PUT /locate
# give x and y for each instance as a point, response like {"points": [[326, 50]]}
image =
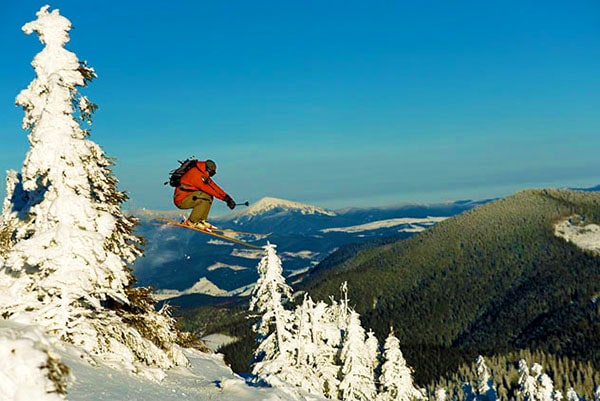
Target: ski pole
{"points": [[243, 204]]}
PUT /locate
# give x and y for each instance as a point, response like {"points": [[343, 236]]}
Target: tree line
{"points": [[321, 348]]}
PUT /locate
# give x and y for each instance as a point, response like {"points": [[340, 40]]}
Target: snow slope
{"points": [[585, 236], [208, 378], [24, 350], [414, 225]]}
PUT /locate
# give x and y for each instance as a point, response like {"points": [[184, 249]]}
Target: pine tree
{"points": [[534, 385], [358, 381], [395, 381], [327, 337], [441, 394], [526, 382], [67, 246], [318, 346], [305, 351], [274, 357], [485, 385], [545, 387], [572, 395], [372, 344]]}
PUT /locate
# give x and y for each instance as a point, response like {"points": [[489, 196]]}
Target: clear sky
{"points": [[332, 103]]}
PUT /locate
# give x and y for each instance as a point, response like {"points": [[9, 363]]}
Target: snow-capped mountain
{"points": [[279, 215], [272, 206], [197, 268]]}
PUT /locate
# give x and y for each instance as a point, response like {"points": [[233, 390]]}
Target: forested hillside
{"points": [[489, 281]]}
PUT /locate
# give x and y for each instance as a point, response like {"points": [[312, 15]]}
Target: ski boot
{"points": [[201, 225]]}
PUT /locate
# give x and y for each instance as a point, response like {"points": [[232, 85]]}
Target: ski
{"points": [[213, 233], [227, 230], [222, 230]]}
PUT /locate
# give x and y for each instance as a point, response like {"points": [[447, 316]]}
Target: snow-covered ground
{"points": [[24, 355], [217, 340], [23, 376], [414, 225], [585, 236], [202, 286], [219, 265]]}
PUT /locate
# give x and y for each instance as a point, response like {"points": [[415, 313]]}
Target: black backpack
{"points": [[175, 175]]}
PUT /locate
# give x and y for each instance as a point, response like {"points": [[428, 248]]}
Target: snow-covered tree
{"points": [[395, 381], [534, 385], [277, 346], [66, 245], [483, 376], [485, 385], [327, 338], [441, 394], [545, 387], [572, 395], [343, 308], [527, 388], [358, 381], [372, 344], [308, 321]]}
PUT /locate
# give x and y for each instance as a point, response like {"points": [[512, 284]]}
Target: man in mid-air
{"points": [[197, 190]]}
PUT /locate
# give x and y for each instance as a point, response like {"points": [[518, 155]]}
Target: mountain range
{"points": [[508, 275], [501, 278], [191, 268]]}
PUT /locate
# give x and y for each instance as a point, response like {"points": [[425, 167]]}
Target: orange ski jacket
{"points": [[197, 179]]}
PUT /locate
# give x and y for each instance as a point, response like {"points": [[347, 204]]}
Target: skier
{"points": [[197, 190]]}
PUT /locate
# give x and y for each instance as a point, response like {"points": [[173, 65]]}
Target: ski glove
{"points": [[230, 202]]}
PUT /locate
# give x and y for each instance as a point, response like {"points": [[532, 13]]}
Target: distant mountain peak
{"points": [[270, 204]]}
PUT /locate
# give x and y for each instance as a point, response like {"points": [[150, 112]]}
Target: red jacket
{"points": [[197, 179]]}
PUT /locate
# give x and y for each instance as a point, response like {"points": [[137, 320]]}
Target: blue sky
{"points": [[333, 103]]}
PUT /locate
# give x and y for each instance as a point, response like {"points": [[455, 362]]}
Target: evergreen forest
{"points": [[494, 281]]}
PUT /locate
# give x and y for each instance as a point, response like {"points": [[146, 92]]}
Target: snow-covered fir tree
{"points": [[327, 338], [483, 376], [527, 387], [307, 323], [484, 387], [358, 379], [483, 390], [535, 385], [275, 356], [66, 245], [572, 395], [544, 385], [321, 348], [395, 381], [441, 394], [372, 344]]}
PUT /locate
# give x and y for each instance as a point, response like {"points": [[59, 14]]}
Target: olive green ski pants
{"points": [[200, 203]]}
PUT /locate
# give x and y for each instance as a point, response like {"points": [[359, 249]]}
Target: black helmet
{"points": [[211, 167]]}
